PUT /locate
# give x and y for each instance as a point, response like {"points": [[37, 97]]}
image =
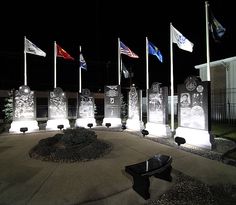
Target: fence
{"points": [[223, 106]]}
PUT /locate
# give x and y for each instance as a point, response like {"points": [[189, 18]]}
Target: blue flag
{"points": [[83, 64], [216, 28], [153, 50]]}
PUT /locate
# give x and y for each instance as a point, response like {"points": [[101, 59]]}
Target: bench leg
{"points": [[165, 174], [141, 186]]}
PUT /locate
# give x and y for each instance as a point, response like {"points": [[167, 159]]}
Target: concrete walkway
{"points": [[103, 181]]}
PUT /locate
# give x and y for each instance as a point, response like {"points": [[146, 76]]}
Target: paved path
{"points": [[103, 181]]}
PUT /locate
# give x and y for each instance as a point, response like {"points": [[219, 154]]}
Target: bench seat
{"points": [[158, 166]]}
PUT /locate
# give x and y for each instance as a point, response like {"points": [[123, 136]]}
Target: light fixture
{"points": [[108, 124], [60, 126], [24, 129], [123, 127], [180, 140], [144, 132], [90, 125]]}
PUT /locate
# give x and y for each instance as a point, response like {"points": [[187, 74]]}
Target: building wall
{"points": [[223, 88]]}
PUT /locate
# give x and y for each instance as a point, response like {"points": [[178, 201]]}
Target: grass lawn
{"points": [[227, 131]]}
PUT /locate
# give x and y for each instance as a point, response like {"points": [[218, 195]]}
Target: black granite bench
{"points": [[158, 166]]}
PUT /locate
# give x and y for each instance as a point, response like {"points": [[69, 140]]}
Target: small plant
{"points": [[8, 108]]}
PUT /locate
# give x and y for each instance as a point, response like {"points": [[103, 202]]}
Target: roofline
{"points": [[215, 63]]}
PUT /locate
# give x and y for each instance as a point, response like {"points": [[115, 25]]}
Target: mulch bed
{"points": [[187, 190], [52, 149]]}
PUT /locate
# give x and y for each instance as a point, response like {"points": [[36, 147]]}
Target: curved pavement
{"points": [[103, 181]]}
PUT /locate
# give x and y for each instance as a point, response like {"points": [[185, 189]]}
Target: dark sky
{"points": [[96, 25]]}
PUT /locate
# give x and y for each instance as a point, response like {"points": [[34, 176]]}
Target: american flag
{"points": [[125, 50]]}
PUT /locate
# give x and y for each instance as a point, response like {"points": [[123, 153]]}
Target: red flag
{"points": [[62, 53]]}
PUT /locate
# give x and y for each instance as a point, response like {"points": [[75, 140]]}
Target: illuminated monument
{"points": [[157, 113], [24, 114], [57, 110], [134, 120], [194, 112], [85, 111], [112, 104]]}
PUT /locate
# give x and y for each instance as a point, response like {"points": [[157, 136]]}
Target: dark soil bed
{"points": [[74, 145], [189, 191]]}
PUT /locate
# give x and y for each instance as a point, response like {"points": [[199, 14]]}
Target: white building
{"points": [[223, 87]]}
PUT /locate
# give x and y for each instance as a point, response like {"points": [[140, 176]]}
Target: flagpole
{"points": [[118, 61], [25, 70], [207, 43], [80, 78], [55, 64], [171, 79], [147, 79]]}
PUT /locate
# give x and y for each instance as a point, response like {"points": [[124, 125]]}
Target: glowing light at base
{"points": [[134, 124], [32, 126], [52, 124], [160, 130], [196, 137], [115, 122], [83, 122]]}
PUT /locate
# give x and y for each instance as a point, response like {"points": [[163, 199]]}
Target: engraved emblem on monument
{"points": [[86, 92], [191, 83], [112, 101], [200, 88]]}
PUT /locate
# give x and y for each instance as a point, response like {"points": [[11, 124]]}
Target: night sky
{"points": [[96, 25]]}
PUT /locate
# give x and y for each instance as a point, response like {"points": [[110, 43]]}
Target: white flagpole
{"points": [[80, 77], [207, 43], [171, 80], [147, 79], [119, 61], [55, 64], [25, 68]]}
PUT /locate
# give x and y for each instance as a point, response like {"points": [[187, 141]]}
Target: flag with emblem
{"points": [[62, 53], [182, 42], [33, 49]]}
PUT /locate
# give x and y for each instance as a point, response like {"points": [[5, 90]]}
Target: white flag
{"points": [[180, 40], [33, 49]]}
